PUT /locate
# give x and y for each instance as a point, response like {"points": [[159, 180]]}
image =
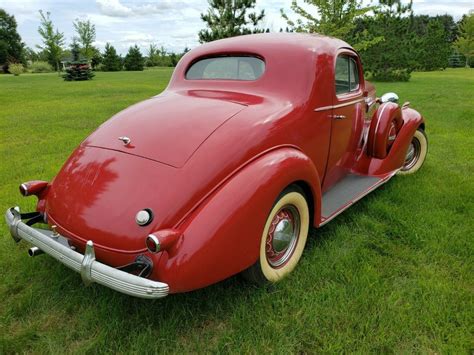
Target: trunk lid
{"points": [[167, 128]]}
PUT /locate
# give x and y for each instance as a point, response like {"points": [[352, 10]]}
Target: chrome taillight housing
{"points": [[34, 187], [161, 240]]}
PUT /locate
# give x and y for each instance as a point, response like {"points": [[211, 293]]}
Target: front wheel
{"points": [[416, 153], [283, 238]]}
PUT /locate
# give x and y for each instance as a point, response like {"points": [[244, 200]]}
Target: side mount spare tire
{"points": [[385, 125]]}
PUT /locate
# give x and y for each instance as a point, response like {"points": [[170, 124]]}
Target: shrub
{"points": [[41, 67], [390, 75], [78, 71], [15, 68]]}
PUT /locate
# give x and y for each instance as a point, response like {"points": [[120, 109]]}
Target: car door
{"points": [[347, 118]]}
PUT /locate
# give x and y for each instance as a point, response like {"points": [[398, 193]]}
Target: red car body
{"points": [[209, 157]]}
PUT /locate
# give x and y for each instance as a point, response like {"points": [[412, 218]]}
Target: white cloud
{"points": [[114, 8]]}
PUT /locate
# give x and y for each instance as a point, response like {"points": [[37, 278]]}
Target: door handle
{"points": [[339, 117]]}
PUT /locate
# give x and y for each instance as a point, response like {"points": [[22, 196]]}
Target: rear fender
{"points": [[222, 236]]}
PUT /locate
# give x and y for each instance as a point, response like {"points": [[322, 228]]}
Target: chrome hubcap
{"points": [[413, 154], [282, 236]]}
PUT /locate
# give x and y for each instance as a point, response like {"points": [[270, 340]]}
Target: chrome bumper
{"points": [[90, 269]]}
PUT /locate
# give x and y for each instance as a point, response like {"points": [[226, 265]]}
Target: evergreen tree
{"points": [[134, 59], [333, 18], [393, 58], [456, 60], [465, 42], [431, 47], [110, 60], [96, 58], [11, 47], [78, 69], [52, 40], [229, 18]]}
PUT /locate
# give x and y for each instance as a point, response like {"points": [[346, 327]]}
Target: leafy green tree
{"points": [[334, 18], [153, 56], [31, 55], [465, 42], [111, 61], [53, 40], [85, 36], [134, 59], [229, 18], [11, 46]]}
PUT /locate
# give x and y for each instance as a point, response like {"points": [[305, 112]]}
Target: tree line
{"points": [[390, 38], [54, 55]]}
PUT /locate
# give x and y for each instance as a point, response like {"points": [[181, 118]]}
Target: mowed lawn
{"points": [[395, 273]]}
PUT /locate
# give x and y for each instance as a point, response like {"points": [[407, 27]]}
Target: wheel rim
{"points": [[413, 154], [282, 236]]}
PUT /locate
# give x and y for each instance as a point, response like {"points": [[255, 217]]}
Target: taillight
{"points": [[34, 187], [161, 240], [153, 244]]}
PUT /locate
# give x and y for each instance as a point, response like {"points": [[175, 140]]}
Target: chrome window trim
{"points": [[344, 104]]}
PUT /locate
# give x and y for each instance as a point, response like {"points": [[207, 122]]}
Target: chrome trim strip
{"points": [[324, 108], [86, 265], [354, 200]]}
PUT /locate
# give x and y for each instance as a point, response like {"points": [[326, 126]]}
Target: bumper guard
{"points": [[90, 269]]}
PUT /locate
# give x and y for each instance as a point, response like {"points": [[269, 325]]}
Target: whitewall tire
{"points": [[416, 153], [283, 238]]}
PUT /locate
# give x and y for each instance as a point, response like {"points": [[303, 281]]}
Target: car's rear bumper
{"points": [[90, 269]]}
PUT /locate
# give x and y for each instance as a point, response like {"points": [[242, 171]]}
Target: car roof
{"points": [[282, 42], [294, 61]]}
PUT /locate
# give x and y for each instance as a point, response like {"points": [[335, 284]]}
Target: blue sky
{"points": [[168, 23]]}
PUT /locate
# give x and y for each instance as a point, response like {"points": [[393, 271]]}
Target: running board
{"points": [[347, 192]]}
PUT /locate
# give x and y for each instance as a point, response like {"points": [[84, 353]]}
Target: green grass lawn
{"points": [[394, 273]]}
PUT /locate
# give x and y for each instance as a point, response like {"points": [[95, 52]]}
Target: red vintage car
{"points": [[256, 139]]}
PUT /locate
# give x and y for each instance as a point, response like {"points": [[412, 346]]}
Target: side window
{"points": [[342, 74], [353, 75], [347, 75]]}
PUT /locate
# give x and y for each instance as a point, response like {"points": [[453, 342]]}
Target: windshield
{"points": [[227, 68]]}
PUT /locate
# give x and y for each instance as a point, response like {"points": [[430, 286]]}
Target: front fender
{"points": [[222, 236], [396, 156]]}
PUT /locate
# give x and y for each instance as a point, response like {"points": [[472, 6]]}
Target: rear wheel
{"points": [[416, 153], [283, 239]]}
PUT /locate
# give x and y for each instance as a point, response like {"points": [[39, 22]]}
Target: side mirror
{"points": [[389, 97]]}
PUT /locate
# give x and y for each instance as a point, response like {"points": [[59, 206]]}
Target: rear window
{"points": [[227, 68]]}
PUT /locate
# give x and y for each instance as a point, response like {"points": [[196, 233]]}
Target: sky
{"points": [[171, 24]]}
